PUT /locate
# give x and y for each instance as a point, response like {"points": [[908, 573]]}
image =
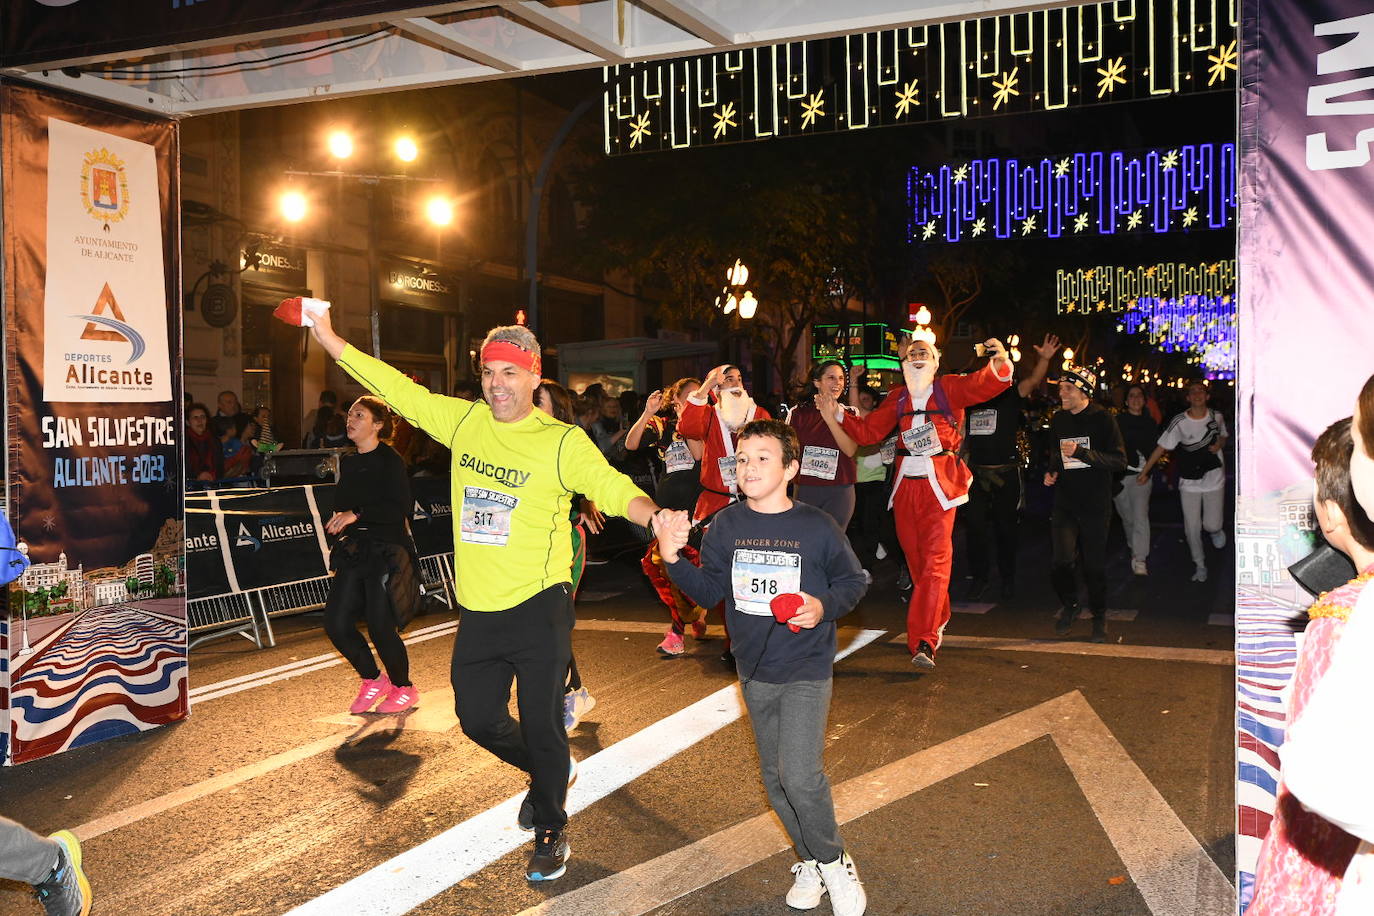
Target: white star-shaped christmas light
{"points": [[1170, 160], [1006, 88], [1061, 168], [813, 108], [1133, 221], [928, 230], [1028, 226], [725, 118], [1189, 216], [639, 129], [960, 174], [1113, 75], [1080, 222], [980, 226], [906, 98]]}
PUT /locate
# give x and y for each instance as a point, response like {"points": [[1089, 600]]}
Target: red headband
{"points": [[509, 352]]}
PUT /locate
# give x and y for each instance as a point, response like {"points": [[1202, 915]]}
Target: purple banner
{"points": [[1306, 281]]}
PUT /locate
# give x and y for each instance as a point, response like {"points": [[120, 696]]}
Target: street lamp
{"points": [[734, 297], [293, 206], [439, 211], [405, 148], [340, 143]]}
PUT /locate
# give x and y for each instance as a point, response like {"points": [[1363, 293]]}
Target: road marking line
{"points": [[1172, 872], [295, 669], [406, 881], [1071, 647]]}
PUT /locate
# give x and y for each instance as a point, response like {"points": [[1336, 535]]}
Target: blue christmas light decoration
{"points": [[1187, 188], [1204, 327]]}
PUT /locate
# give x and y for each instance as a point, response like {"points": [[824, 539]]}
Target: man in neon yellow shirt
{"points": [[515, 470]]}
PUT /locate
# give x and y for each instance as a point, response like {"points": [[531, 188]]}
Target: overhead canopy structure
{"points": [[194, 57]]}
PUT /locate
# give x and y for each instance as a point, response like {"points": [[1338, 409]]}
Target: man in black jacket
{"points": [[1082, 471]]}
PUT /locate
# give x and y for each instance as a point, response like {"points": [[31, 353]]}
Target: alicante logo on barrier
{"points": [[104, 186], [271, 532]]}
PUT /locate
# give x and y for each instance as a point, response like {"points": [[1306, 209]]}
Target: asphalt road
{"points": [[1025, 775]]}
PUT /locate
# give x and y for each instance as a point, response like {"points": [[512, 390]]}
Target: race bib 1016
{"points": [[678, 457], [759, 576]]}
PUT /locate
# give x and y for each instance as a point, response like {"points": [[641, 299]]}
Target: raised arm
{"points": [[1043, 354], [636, 433]]}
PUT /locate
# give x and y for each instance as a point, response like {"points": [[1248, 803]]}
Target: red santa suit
{"points": [[931, 480], [701, 420]]}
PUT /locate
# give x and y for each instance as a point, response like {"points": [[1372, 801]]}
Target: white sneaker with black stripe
{"points": [[847, 897], [807, 888]]}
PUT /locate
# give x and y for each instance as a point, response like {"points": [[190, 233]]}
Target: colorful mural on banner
{"points": [[97, 623], [1306, 277], [1040, 60]]}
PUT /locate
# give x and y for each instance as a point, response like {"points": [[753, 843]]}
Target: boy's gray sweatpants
{"points": [[789, 729], [24, 855]]}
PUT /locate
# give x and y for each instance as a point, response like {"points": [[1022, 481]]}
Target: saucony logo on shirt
{"points": [[511, 477]]}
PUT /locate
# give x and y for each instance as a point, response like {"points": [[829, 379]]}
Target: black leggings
{"points": [[991, 519], [1074, 529], [530, 644], [353, 594]]}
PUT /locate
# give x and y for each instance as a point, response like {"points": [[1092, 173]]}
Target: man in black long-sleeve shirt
{"points": [[754, 552], [1088, 454]]}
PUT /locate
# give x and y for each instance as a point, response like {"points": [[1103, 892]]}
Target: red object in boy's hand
{"points": [[785, 607], [298, 310]]}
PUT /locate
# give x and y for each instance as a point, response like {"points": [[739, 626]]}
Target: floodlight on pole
{"points": [[405, 148], [439, 211], [293, 206], [340, 143]]}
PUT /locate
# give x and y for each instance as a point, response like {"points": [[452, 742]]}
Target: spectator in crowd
{"points": [[228, 406], [204, 454], [315, 420], [608, 431], [262, 416], [238, 455]]}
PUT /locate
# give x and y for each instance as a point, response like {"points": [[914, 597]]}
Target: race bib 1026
{"points": [[819, 461]]}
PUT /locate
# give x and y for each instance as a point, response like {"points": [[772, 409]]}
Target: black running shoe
{"points": [[65, 892], [1063, 622], [1099, 628], [975, 589], [728, 659], [550, 857], [925, 655]]}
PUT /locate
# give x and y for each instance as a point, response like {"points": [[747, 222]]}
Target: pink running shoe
{"points": [[672, 646], [399, 699], [370, 692], [699, 628]]}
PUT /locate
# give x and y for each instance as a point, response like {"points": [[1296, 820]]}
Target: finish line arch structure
{"points": [[1304, 157]]}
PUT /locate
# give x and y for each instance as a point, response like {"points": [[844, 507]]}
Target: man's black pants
{"points": [[1080, 524]]}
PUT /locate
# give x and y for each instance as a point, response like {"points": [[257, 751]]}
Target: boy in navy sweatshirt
{"points": [[754, 551]]}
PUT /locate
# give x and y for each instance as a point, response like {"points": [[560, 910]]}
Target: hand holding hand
{"points": [[1047, 349], [672, 528]]}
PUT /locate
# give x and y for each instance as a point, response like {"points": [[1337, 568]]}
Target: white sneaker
{"points": [[868, 577], [881, 552], [1138, 567], [1218, 539], [847, 897], [576, 704], [808, 888], [1200, 574]]}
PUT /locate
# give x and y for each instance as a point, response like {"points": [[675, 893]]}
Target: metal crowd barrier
{"points": [[249, 613]]}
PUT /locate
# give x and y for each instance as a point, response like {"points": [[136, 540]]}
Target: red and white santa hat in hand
{"points": [[300, 311]]}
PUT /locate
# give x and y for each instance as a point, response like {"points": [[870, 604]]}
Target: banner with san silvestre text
{"points": [[96, 627]]}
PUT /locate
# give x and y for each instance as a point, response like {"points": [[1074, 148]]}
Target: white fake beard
{"points": [[735, 407], [919, 380]]}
